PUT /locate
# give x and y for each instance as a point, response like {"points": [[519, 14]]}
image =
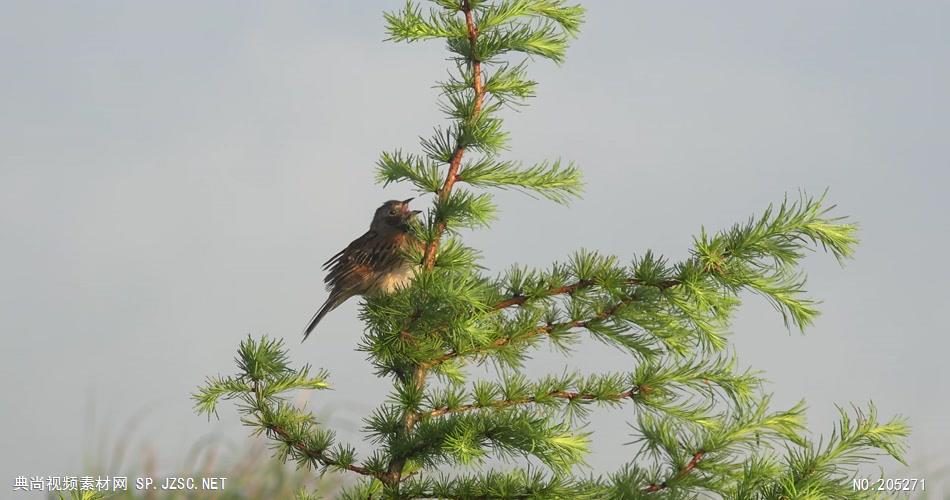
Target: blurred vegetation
{"points": [[252, 473], [251, 470]]}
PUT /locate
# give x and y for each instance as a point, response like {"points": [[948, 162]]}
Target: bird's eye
{"points": [[393, 212]]}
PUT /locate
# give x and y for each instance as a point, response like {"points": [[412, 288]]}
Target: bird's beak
{"points": [[416, 212], [407, 200]]}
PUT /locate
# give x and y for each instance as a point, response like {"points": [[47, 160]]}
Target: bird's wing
{"points": [[354, 267]]}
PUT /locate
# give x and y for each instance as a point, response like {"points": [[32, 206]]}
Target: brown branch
{"points": [[405, 334], [456, 162], [541, 330], [515, 300], [654, 487], [504, 403], [518, 299], [393, 473], [317, 455], [396, 465]]}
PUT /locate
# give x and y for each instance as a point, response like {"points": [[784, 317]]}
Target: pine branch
{"points": [[499, 343], [397, 464], [819, 470], [505, 403], [654, 487], [762, 254], [464, 438], [541, 330], [518, 299], [456, 162], [265, 376], [549, 180], [518, 484], [318, 455]]}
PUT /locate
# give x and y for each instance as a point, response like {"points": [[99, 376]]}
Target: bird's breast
{"points": [[397, 278]]}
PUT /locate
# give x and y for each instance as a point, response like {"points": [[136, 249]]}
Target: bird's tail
{"points": [[331, 304]]}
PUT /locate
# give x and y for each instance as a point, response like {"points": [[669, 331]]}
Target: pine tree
{"points": [[705, 426]]}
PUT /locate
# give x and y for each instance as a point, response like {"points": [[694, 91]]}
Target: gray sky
{"points": [[172, 174]]}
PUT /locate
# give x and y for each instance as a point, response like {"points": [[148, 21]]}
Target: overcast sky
{"points": [[172, 175]]}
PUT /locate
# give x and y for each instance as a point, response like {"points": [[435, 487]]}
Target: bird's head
{"points": [[393, 214]]}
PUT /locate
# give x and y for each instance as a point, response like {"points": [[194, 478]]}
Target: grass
{"points": [[251, 470]]}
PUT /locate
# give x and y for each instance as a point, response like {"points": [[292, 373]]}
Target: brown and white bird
{"points": [[373, 263]]}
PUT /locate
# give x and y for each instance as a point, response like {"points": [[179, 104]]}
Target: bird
{"points": [[372, 264]]}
